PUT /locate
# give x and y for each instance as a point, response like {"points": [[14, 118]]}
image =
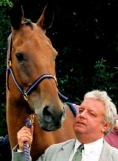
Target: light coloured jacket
{"points": [[62, 151]]}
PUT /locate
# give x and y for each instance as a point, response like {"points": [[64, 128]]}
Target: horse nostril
{"points": [[50, 115], [46, 111]]}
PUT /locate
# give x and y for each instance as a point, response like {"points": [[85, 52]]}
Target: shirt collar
{"points": [[95, 146]]}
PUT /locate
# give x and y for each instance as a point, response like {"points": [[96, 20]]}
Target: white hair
{"points": [[110, 108]]}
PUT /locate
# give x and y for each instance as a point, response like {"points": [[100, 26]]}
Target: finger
{"points": [[24, 135], [31, 130], [24, 130]]}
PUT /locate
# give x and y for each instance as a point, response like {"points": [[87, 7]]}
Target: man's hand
{"points": [[25, 134]]}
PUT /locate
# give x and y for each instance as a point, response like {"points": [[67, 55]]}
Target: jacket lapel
{"points": [[105, 154], [65, 151]]}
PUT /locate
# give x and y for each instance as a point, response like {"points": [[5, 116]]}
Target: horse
{"points": [[31, 83]]}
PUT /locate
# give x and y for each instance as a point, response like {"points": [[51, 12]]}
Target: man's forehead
{"points": [[91, 103], [92, 100]]}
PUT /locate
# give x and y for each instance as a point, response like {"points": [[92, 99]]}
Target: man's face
{"points": [[90, 119]]}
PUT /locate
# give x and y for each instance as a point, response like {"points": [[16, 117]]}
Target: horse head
{"points": [[31, 68]]}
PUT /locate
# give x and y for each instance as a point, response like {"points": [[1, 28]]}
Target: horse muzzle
{"points": [[49, 120]]}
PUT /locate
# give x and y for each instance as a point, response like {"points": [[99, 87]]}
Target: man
{"points": [[95, 118], [112, 137]]}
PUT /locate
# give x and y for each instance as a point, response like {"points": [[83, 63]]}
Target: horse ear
{"points": [[16, 15], [46, 19]]}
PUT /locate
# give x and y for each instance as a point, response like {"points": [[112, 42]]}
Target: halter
{"points": [[29, 90]]}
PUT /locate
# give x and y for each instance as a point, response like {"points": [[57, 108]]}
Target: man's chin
{"points": [[79, 129]]}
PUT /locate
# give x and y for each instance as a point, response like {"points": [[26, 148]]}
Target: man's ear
{"points": [[106, 127]]}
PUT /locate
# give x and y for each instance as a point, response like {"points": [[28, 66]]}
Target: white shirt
{"points": [[90, 152]]}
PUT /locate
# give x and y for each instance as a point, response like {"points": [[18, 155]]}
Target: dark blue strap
{"points": [[73, 109]]}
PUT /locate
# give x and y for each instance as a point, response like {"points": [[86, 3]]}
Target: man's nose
{"points": [[83, 113]]}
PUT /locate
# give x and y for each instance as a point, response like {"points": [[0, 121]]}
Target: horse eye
{"points": [[19, 57]]}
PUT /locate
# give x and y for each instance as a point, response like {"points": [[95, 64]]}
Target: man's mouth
{"points": [[81, 123]]}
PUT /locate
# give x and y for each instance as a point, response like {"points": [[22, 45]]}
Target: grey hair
{"points": [[110, 108]]}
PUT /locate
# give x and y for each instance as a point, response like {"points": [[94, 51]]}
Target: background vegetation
{"points": [[85, 34]]}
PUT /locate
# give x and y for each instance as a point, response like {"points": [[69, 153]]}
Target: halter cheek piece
{"points": [[29, 90]]}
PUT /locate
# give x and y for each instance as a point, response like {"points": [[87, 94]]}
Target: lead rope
{"points": [[29, 123]]}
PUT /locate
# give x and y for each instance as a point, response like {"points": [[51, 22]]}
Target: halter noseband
{"points": [[29, 90]]}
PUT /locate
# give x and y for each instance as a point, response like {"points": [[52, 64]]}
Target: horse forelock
{"points": [[27, 22]]}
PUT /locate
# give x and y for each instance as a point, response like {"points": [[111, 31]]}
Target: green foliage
{"points": [[72, 81], [3, 125], [4, 32], [106, 78], [5, 3]]}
